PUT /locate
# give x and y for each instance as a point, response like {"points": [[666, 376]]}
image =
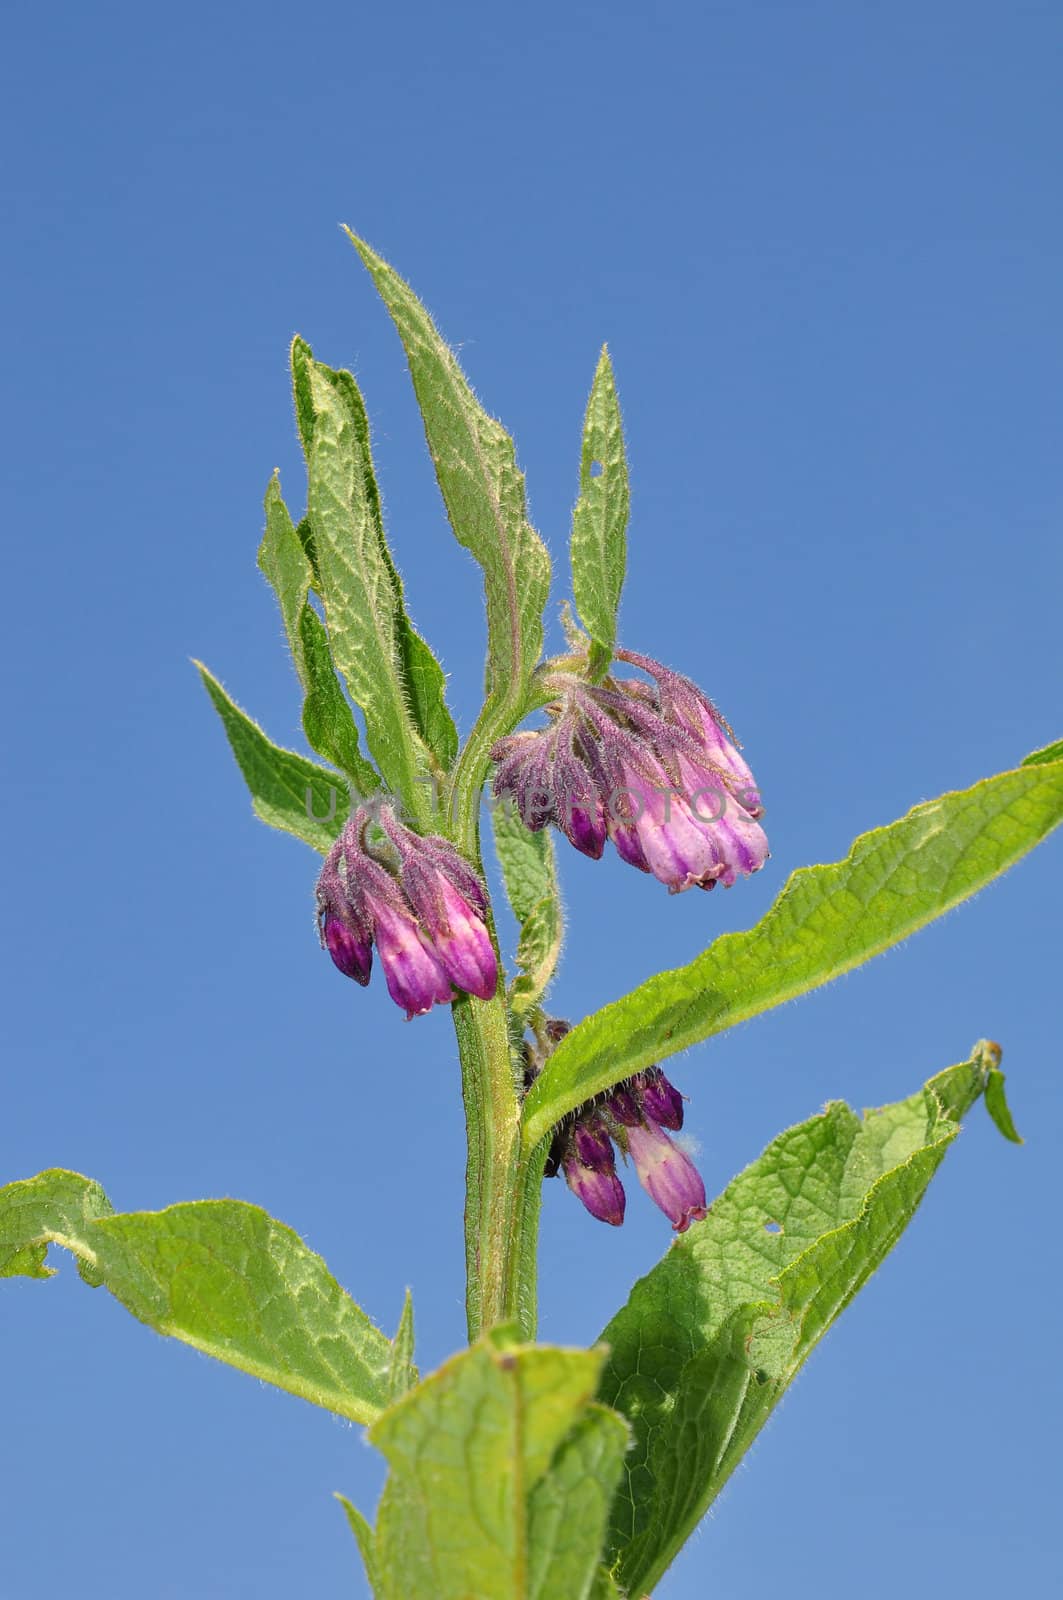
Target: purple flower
{"points": [[682, 702], [343, 922], [653, 766], [623, 1104], [415, 978], [352, 953], [449, 903], [661, 1101], [668, 1176], [586, 1157], [426, 914], [601, 1192], [633, 1114]]}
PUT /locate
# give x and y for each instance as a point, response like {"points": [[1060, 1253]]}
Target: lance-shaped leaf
{"points": [[826, 921], [355, 576], [467, 1511], [710, 1339], [220, 1275], [530, 876], [421, 675], [402, 1374], [599, 522], [328, 721], [366, 1540], [1049, 752], [484, 495], [287, 791]]}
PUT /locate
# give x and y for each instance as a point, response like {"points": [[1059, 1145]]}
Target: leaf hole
{"points": [[773, 1227], [596, 469]]}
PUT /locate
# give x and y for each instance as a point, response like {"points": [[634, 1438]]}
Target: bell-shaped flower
{"points": [[668, 1175]]}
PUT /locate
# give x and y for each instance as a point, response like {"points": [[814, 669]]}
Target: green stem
{"points": [[502, 1187], [494, 1258]]}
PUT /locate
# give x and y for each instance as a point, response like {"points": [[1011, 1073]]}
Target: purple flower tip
{"points": [[601, 1192], [416, 981], [661, 1100], [593, 1146], [623, 1105], [350, 951]]}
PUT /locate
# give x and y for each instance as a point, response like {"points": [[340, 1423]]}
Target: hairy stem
{"points": [[493, 1256], [502, 1187]]}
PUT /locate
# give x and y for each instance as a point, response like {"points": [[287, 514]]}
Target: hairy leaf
{"points": [[468, 1451], [357, 578], [826, 921], [484, 495], [287, 791], [710, 1339], [422, 676], [365, 1537], [402, 1374], [327, 717], [220, 1275], [529, 872], [569, 1507], [537, 954], [599, 522]]}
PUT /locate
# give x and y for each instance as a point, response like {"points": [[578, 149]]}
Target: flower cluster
{"points": [[634, 1116], [650, 765], [418, 901]]}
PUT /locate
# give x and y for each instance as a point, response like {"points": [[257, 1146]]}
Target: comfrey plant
{"points": [[523, 1470]]}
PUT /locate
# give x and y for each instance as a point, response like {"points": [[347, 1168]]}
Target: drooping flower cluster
{"points": [[418, 901], [634, 1116], [651, 766]]}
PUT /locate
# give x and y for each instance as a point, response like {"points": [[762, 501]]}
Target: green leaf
{"points": [[710, 1339], [366, 1538], [1050, 752], [287, 790], [484, 495], [327, 718], [603, 1587], [467, 1451], [527, 860], [529, 872], [219, 1275], [599, 522], [996, 1104], [826, 921], [357, 578], [569, 1507], [402, 1374], [423, 679], [537, 954]]}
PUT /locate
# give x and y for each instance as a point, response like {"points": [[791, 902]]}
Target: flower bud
{"points": [[577, 807], [351, 952], [592, 1145], [342, 921], [601, 1192], [668, 1176], [415, 978], [661, 1101], [683, 703], [448, 900], [623, 1106], [458, 934]]}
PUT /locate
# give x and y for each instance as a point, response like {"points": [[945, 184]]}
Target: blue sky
{"points": [[824, 244]]}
